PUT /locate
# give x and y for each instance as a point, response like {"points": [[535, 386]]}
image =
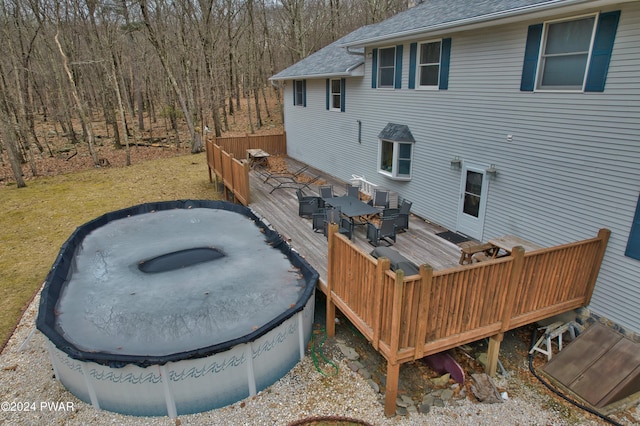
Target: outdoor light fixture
{"points": [[492, 171], [456, 162]]}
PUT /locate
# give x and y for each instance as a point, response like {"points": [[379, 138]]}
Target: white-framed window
{"points": [[429, 64], [335, 95], [395, 159], [565, 54], [386, 67]]}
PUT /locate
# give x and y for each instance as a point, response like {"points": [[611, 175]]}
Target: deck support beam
{"points": [[492, 354], [391, 388], [331, 307]]}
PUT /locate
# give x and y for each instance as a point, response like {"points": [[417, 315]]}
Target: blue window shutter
{"points": [[413, 50], [601, 54], [304, 93], [445, 60], [343, 93], [294, 92], [633, 244], [398, 82], [374, 68], [531, 53], [328, 94]]}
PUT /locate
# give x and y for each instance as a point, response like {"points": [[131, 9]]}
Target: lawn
{"points": [[36, 220]]}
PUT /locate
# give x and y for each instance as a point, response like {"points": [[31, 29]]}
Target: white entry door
{"points": [[473, 200]]}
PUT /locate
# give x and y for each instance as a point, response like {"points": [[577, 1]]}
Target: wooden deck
{"points": [[445, 304], [280, 208]]}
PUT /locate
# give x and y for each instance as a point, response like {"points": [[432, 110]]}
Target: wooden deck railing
{"points": [[233, 173], [407, 318], [238, 145]]}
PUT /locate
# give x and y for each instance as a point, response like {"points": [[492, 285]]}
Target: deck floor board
{"points": [[280, 209]]}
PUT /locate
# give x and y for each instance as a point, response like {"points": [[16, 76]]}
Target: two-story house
{"points": [[493, 117]]}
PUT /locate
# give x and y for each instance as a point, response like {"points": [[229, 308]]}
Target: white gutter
{"points": [[351, 52], [346, 73], [511, 15]]}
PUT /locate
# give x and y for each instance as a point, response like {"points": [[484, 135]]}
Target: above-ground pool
{"points": [[175, 307]]}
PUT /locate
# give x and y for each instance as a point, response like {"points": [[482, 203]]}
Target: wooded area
{"points": [[128, 64]]}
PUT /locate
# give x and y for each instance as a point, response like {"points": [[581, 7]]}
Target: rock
{"points": [[354, 365], [438, 402], [428, 400], [401, 403], [442, 380], [424, 408], [374, 385], [482, 359], [364, 373], [407, 399], [412, 409], [446, 394], [348, 352], [484, 389]]}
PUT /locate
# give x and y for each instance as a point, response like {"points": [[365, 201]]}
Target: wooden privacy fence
{"points": [[407, 318], [273, 144], [233, 173]]}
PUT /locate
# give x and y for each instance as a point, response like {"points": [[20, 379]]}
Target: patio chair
{"points": [[346, 227], [392, 201], [402, 220], [353, 191], [334, 215], [331, 215], [317, 220], [390, 212], [386, 231], [326, 191], [293, 175], [380, 199], [307, 205]]}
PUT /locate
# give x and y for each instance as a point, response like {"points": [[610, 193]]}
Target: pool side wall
{"points": [[193, 385]]}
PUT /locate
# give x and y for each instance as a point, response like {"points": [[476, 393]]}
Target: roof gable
{"points": [[330, 61], [396, 133]]}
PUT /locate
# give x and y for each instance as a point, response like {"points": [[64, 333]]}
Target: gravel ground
{"points": [[26, 376]]}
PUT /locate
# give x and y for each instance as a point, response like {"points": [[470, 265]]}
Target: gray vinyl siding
{"points": [[572, 167]]}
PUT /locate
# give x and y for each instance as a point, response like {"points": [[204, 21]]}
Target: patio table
{"points": [[257, 157], [508, 242], [351, 206]]}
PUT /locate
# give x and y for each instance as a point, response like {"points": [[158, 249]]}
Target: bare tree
{"points": [[9, 140], [86, 122], [196, 145]]}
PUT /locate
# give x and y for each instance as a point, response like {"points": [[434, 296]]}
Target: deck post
{"points": [[492, 353], [517, 258], [331, 307], [426, 281], [393, 366], [382, 266], [232, 185], [245, 191], [391, 389], [603, 236]]}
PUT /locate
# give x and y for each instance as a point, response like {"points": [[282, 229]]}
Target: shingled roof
{"points": [[433, 15], [341, 57], [330, 61]]}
